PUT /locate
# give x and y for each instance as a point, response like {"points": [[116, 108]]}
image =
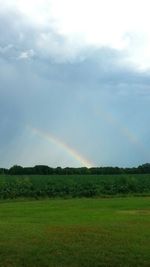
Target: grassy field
{"points": [[75, 232]]}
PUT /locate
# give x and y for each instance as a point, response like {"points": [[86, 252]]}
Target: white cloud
{"points": [[118, 24], [26, 54]]}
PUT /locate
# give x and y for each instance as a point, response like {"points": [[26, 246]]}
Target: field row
{"points": [[37, 186]]}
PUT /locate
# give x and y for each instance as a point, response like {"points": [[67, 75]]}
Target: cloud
{"points": [[5, 49], [75, 73], [92, 105], [26, 54], [63, 29]]}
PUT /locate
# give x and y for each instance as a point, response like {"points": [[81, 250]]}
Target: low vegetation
{"points": [[70, 186]]}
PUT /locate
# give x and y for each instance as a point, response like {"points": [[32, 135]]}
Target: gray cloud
{"points": [[88, 99]]}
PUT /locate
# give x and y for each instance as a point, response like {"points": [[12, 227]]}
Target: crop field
{"points": [[93, 232], [70, 186]]}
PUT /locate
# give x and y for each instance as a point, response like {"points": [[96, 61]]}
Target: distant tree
{"points": [[41, 169], [15, 170], [3, 171], [145, 168]]}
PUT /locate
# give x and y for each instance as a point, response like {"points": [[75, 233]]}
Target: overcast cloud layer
{"points": [[77, 70]]}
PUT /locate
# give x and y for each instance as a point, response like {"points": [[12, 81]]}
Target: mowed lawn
{"points": [[75, 232]]}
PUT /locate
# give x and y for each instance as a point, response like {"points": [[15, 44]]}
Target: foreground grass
{"points": [[75, 232]]}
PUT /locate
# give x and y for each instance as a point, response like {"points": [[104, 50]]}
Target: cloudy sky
{"points": [[74, 82]]}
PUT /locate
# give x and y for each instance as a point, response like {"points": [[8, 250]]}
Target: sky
{"points": [[74, 82]]}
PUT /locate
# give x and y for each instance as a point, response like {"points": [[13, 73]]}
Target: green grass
{"points": [[75, 233]]}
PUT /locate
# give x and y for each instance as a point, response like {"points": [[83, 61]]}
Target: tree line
{"points": [[46, 170]]}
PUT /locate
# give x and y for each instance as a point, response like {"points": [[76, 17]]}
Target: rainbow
{"points": [[72, 152], [124, 130]]}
